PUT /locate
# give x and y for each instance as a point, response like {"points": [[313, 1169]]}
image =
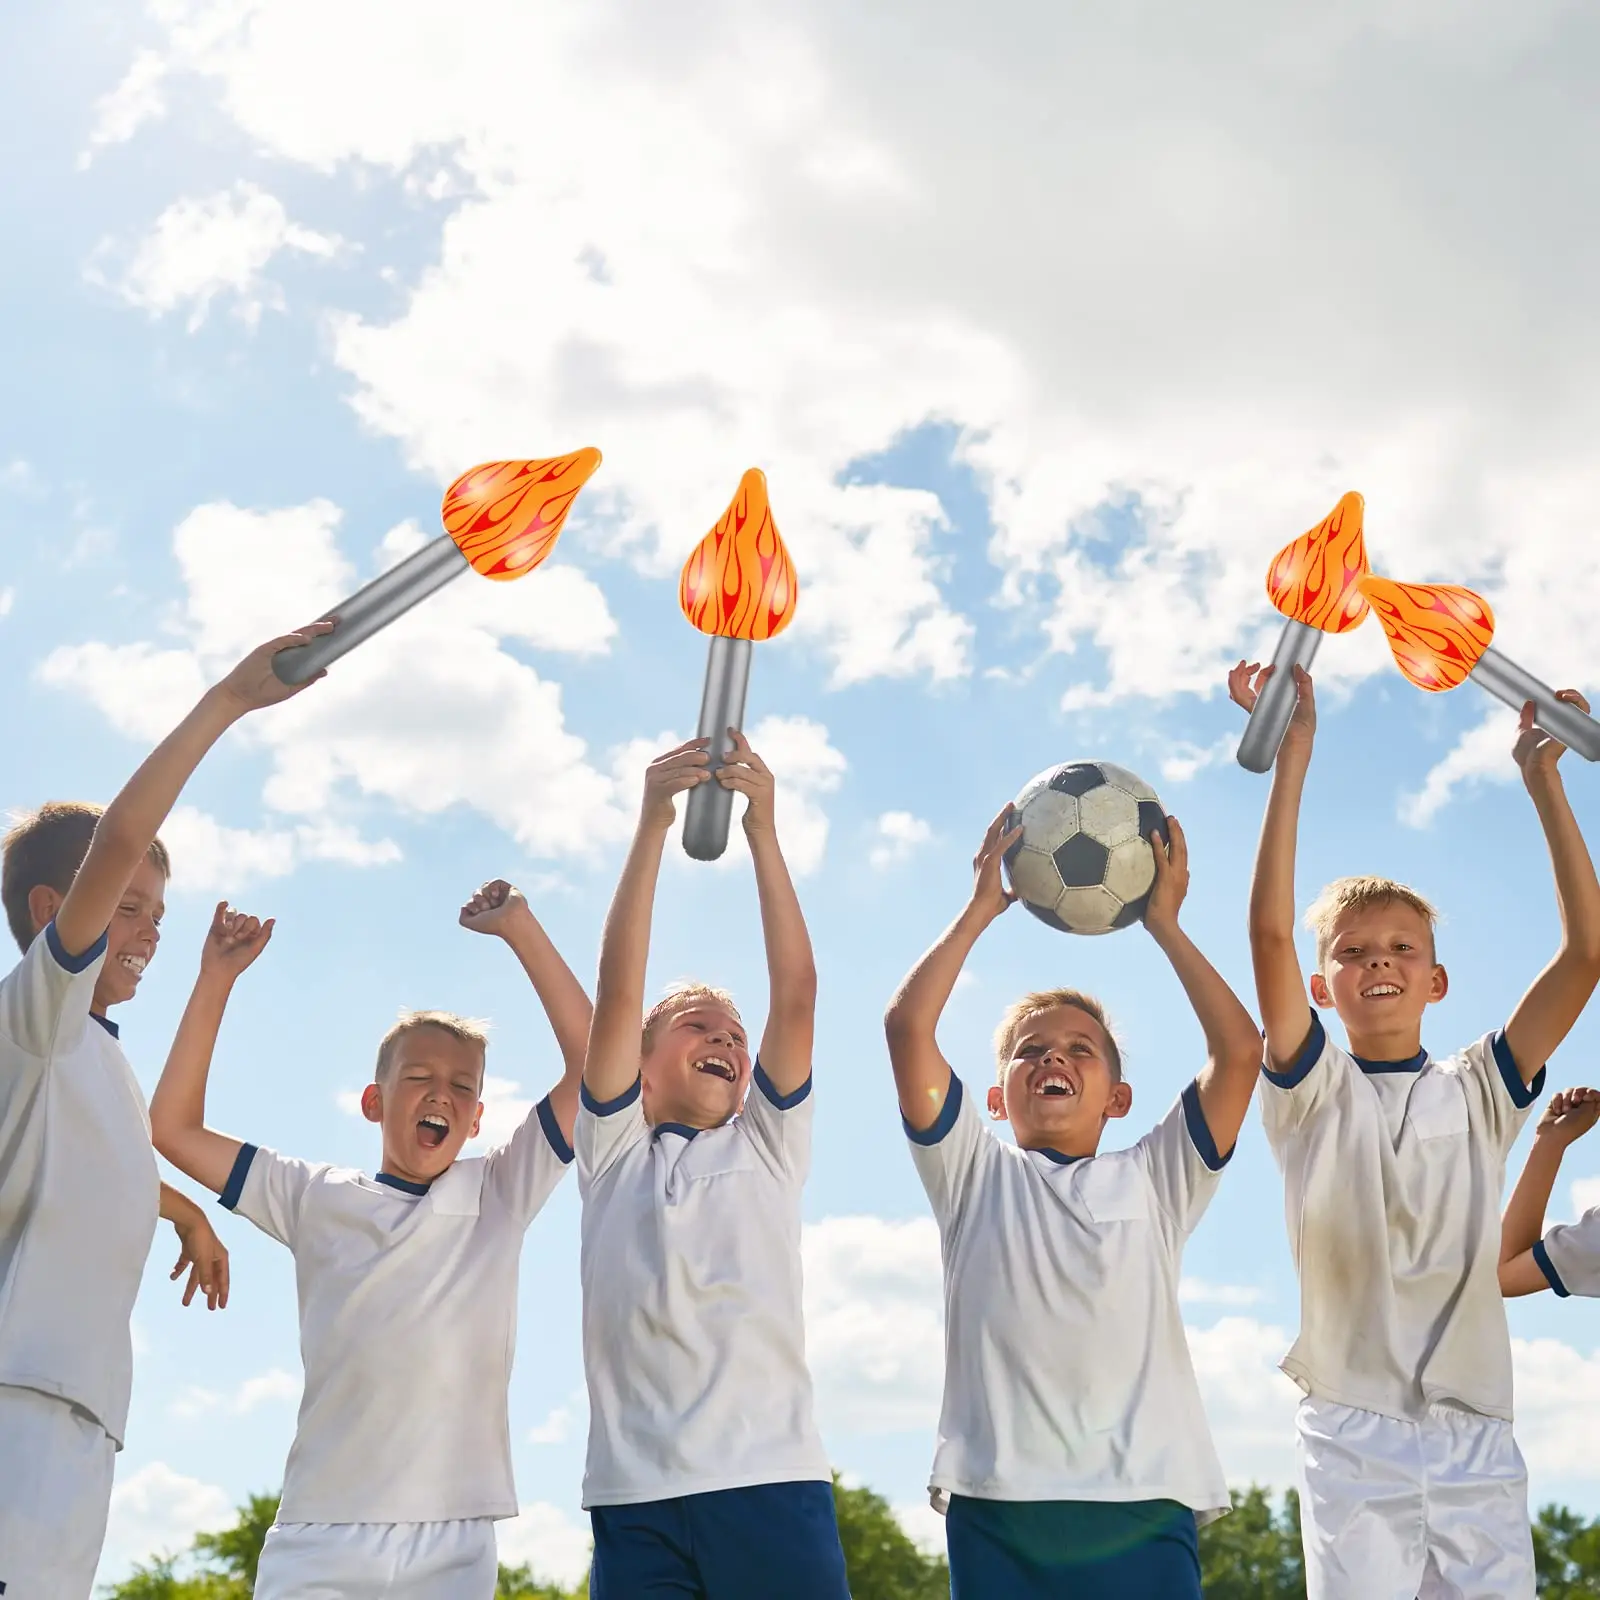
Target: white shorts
{"points": [[1392, 1510], [378, 1561], [56, 1465]]}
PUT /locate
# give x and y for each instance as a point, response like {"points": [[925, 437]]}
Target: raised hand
{"points": [[1172, 879], [495, 908], [253, 684], [1570, 1114], [670, 775], [1536, 751], [1249, 678], [747, 774], [206, 1258], [989, 893], [233, 941]]}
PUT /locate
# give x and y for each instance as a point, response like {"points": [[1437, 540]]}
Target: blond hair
{"points": [[680, 997], [44, 849], [1345, 895], [1042, 1000], [469, 1030]]}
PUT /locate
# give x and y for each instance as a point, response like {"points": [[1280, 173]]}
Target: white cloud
{"points": [[8, 598], [157, 1511], [922, 1524], [551, 1541], [1197, 1292], [432, 713], [266, 1388], [1556, 1435], [1185, 761], [136, 100], [899, 834], [1482, 754], [1585, 1195], [209, 857], [562, 1420], [1251, 1403], [198, 249]]}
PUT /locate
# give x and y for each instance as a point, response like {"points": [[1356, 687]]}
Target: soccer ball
{"points": [[1084, 862]]}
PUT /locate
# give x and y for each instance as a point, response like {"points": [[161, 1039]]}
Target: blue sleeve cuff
{"points": [[1300, 1068], [234, 1187], [606, 1108], [1194, 1117], [944, 1122], [1548, 1268], [1522, 1094], [552, 1132], [780, 1102], [72, 964]]}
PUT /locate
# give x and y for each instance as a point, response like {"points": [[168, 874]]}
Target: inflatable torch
{"points": [[1315, 582], [738, 586], [501, 519]]}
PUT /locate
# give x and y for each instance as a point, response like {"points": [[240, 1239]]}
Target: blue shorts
{"points": [[1072, 1550], [777, 1540]]}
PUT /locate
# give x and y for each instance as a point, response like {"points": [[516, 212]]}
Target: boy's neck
{"points": [[1394, 1044]]}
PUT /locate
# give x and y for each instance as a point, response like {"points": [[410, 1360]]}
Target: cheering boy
{"points": [[1567, 1258]]}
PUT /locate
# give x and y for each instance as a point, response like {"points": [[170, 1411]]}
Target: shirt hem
{"points": [[607, 1108], [937, 1131], [1523, 1094], [1542, 1259], [289, 1512], [780, 1102], [72, 964], [1315, 1390], [1207, 1505], [233, 1189], [1300, 1069], [554, 1137], [58, 1391], [678, 1488]]}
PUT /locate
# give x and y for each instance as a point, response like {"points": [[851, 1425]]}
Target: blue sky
{"points": [[271, 287]]}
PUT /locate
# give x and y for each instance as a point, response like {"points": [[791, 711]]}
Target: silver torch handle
{"points": [[372, 608], [1507, 681], [1269, 720], [709, 808]]}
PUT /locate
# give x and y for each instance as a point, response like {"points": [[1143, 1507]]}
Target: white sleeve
{"points": [[948, 1154], [1500, 1101], [605, 1129], [524, 1171], [1182, 1162], [1290, 1096], [268, 1189], [779, 1125], [1569, 1256], [45, 998]]}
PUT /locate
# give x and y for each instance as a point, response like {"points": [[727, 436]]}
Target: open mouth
{"points": [[432, 1132], [1055, 1085], [1381, 991], [134, 965], [717, 1067]]}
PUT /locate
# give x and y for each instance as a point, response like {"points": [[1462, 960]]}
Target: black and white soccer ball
{"points": [[1084, 862]]}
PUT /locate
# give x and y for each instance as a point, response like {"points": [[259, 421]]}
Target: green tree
{"points": [[1253, 1553], [236, 1551], [1566, 1554], [882, 1561]]}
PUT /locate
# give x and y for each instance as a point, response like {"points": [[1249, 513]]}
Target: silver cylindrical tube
{"points": [[709, 808], [1507, 681], [372, 608], [1269, 720]]}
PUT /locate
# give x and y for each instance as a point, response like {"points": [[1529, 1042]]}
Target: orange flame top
{"points": [[740, 582], [505, 516], [1437, 631], [1314, 578]]}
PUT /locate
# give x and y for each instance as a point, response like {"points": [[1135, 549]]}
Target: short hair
{"points": [[1345, 895], [1042, 1000], [680, 997], [44, 849], [469, 1030]]}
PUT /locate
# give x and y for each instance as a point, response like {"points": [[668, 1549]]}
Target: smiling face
{"points": [[1380, 975], [132, 936], [696, 1067], [426, 1098], [1059, 1086]]}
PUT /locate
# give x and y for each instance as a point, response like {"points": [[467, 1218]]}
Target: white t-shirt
{"points": [[1392, 1177], [408, 1322], [1067, 1374], [1569, 1255], [79, 1190], [693, 1332]]}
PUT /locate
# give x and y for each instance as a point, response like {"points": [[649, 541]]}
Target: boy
{"points": [[1393, 1165], [1074, 1458], [79, 1188], [1567, 1258], [706, 1476], [407, 1282]]}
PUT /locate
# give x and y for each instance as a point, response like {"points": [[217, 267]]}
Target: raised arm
{"points": [[178, 1107], [199, 1249], [1546, 1013], [611, 1061], [1233, 1042], [131, 822], [791, 969], [1570, 1115], [921, 1073], [498, 908], [1280, 990]]}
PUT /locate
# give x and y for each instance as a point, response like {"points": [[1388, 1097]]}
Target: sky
{"points": [[1049, 324]]}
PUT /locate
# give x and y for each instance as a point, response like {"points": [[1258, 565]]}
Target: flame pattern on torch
{"points": [[739, 582], [1437, 631], [1315, 579], [505, 516]]}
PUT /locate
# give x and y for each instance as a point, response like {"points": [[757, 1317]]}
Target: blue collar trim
{"points": [[107, 1024], [402, 1184], [1412, 1064], [681, 1128], [1057, 1157]]}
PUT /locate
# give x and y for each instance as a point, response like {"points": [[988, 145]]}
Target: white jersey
{"points": [[79, 1190], [408, 1318], [1067, 1373], [1392, 1175], [1569, 1255], [693, 1332]]}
